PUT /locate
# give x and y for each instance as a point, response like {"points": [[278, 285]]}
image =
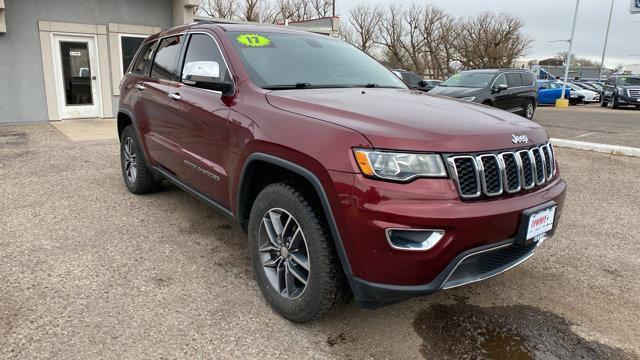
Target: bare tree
{"points": [[438, 31], [347, 34], [250, 10], [491, 41], [365, 21], [322, 8], [413, 42], [391, 33], [226, 9]]}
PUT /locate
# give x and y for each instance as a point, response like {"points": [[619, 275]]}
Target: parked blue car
{"points": [[550, 91]]}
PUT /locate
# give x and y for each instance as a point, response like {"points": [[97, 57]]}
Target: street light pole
{"points": [[568, 63], [606, 40]]}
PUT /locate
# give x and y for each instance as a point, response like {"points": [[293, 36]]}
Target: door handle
{"points": [[140, 87], [175, 96]]}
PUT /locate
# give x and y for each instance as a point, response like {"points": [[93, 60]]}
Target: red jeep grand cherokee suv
{"points": [[346, 182]]}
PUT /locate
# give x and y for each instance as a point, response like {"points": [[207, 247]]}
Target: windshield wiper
{"points": [[299, 85], [372, 85]]}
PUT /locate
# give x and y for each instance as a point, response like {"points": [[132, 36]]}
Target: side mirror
{"points": [[422, 83], [206, 75], [502, 87]]}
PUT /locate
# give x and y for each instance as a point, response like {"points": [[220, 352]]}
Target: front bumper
{"points": [[626, 100], [468, 267], [382, 274]]}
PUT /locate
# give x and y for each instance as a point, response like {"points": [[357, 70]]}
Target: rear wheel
{"points": [[529, 109], [295, 264], [137, 176]]}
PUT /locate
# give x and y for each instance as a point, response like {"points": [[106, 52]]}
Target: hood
{"points": [[455, 92], [411, 120]]}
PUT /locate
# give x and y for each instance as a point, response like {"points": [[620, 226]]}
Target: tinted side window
{"points": [[514, 80], [501, 80], [527, 79], [129, 46], [203, 48], [142, 64], [411, 79], [165, 62]]}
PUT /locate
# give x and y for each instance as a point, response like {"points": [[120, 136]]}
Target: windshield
{"points": [[299, 61], [470, 79], [629, 81]]}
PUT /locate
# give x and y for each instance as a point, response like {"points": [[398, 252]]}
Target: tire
{"points": [[135, 172], [326, 287], [603, 103], [614, 102], [529, 109]]}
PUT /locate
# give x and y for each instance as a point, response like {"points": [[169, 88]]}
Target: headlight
{"points": [[399, 166], [468, 98]]}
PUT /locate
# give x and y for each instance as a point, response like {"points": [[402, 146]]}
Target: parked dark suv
{"points": [[346, 182], [512, 90], [621, 90], [414, 81]]}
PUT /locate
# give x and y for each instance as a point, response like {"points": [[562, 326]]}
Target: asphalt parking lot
{"points": [[88, 270], [592, 123]]}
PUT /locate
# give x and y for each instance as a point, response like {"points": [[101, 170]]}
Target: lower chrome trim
{"points": [[490, 274]]}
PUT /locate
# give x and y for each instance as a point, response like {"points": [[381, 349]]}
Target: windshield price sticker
{"points": [[254, 40]]}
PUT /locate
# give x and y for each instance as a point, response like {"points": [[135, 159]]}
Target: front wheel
{"points": [[292, 255], [614, 102], [603, 103]]}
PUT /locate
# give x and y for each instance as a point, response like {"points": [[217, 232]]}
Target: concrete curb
{"points": [[603, 148]]}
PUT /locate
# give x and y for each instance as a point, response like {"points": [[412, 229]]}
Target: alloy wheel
{"points": [[530, 110], [130, 160], [284, 253]]}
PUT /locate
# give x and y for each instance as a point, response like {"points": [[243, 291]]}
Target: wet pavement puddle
{"points": [[519, 332]]}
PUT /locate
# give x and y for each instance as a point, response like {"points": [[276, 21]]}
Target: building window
{"points": [[129, 44]]}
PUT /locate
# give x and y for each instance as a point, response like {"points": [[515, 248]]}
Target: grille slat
{"points": [[527, 168], [467, 174], [511, 172], [548, 160], [634, 93], [489, 175], [538, 161]]}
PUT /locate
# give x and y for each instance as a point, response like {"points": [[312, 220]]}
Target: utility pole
{"points": [[563, 102], [333, 8], [606, 40]]}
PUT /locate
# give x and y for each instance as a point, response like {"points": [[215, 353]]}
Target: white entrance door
{"points": [[77, 76]]}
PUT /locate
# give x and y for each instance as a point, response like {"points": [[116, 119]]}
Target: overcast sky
{"points": [[548, 20]]}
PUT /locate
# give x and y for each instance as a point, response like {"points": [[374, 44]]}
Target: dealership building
{"points": [[64, 59]]}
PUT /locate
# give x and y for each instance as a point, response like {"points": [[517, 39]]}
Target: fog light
{"points": [[413, 239]]}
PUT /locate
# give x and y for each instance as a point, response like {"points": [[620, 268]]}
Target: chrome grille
{"points": [[635, 93], [493, 174]]}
